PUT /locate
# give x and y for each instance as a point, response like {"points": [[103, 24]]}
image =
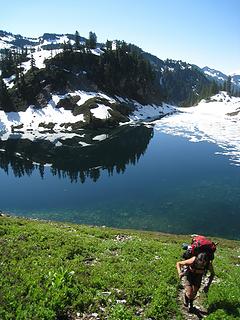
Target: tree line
{"points": [[120, 69]]}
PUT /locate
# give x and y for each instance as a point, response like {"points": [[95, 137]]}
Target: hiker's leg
{"points": [[189, 296], [195, 289], [193, 295], [196, 284], [187, 286], [189, 291]]}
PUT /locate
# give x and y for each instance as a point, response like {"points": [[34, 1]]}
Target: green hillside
{"points": [[53, 270]]}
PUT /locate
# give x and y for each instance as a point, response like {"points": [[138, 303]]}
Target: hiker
{"points": [[192, 270]]}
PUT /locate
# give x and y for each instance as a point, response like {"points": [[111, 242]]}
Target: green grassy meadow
{"points": [[53, 270]]}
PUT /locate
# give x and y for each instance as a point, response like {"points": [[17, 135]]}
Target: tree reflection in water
{"points": [[69, 158]]}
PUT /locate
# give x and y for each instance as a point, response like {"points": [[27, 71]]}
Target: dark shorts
{"points": [[193, 279]]}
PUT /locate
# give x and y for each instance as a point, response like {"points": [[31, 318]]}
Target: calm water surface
{"points": [[136, 178]]}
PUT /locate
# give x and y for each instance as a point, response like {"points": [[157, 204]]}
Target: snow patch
{"points": [[216, 121], [151, 112], [101, 137], [32, 118], [101, 112], [39, 56], [4, 45]]}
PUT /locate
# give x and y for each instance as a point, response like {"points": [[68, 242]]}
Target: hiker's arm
{"points": [[187, 262], [210, 278]]}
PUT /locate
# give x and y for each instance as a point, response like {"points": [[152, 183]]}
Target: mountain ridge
{"points": [[53, 37], [220, 77], [36, 69]]}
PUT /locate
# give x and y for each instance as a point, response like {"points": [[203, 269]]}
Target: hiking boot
{"points": [[185, 301], [190, 307]]}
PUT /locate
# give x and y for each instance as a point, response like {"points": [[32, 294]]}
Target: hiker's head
{"points": [[202, 258]]}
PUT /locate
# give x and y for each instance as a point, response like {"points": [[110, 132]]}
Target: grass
{"points": [[53, 270]]}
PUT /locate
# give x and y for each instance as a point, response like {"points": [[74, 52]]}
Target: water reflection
{"points": [[77, 156]]}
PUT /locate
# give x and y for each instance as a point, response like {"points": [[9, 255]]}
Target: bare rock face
{"points": [[43, 97], [68, 103]]}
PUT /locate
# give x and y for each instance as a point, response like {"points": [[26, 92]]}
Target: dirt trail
{"points": [[199, 311]]}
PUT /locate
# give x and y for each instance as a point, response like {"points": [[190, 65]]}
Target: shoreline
{"points": [[119, 229]]}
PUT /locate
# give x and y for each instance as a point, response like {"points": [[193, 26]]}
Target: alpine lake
{"points": [[133, 177]]}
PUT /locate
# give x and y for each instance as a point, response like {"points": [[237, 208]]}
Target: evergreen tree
{"points": [[22, 84], [77, 40], [5, 100], [229, 85], [214, 88], [109, 45], [92, 40], [17, 75], [65, 47], [225, 85], [51, 52], [7, 63], [32, 63], [69, 46]]}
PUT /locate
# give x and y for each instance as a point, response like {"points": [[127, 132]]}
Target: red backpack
{"points": [[200, 244]]}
